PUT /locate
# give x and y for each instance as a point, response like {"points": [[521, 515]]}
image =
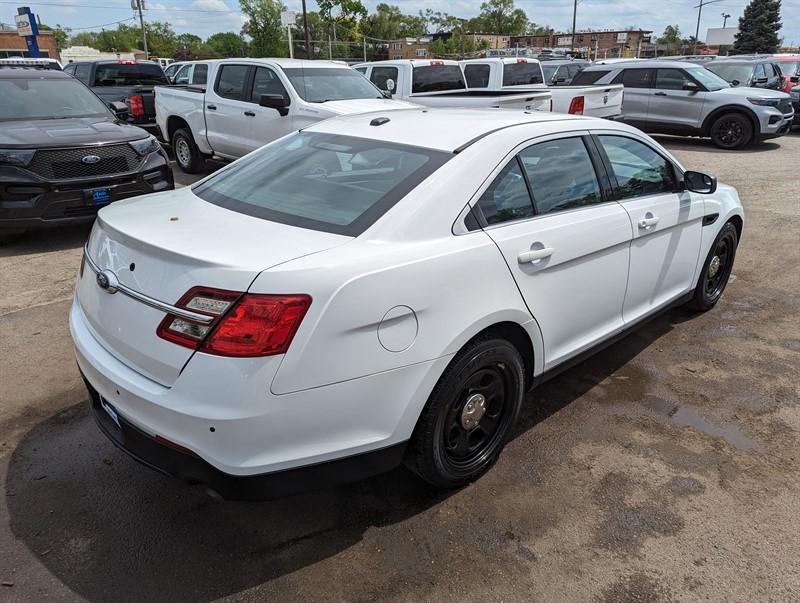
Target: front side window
{"points": [[507, 198], [561, 175], [437, 78], [82, 72], [671, 79], [320, 84], [477, 76], [324, 182], [266, 81], [761, 73], [380, 75], [231, 81], [182, 76], [522, 74], [639, 170], [48, 99]]}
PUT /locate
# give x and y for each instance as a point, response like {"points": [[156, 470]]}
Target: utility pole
{"points": [[139, 7], [725, 17], [305, 27], [572, 38], [699, 8]]}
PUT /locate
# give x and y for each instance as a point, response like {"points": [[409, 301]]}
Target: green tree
{"points": [[264, 27], [61, 35], [671, 38], [344, 16], [438, 22], [123, 39], [454, 46], [84, 38], [161, 39], [758, 28], [534, 29], [227, 44], [388, 22], [502, 17]]}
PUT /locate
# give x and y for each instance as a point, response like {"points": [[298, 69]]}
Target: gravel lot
{"points": [[665, 468]]}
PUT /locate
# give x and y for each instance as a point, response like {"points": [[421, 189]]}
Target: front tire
{"points": [[716, 269], [731, 131], [469, 415], [187, 155]]}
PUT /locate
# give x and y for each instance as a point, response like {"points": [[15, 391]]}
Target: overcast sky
{"points": [[204, 17]]}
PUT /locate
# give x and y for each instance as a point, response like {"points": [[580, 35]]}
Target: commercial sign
{"points": [[564, 41], [287, 18], [622, 37], [24, 27]]}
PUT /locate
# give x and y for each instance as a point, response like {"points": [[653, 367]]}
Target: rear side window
{"points": [[561, 175], [635, 78], [325, 182], [200, 74], [522, 74], [82, 72], [231, 81], [507, 198], [584, 78], [639, 170], [129, 74], [380, 75], [477, 76], [437, 78]]}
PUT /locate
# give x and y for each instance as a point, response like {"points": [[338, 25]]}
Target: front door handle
{"points": [[648, 222], [534, 255], [211, 107], [661, 94], [250, 113]]}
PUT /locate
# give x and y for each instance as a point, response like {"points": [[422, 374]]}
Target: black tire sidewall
{"points": [[701, 300], [747, 127], [195, 161]]}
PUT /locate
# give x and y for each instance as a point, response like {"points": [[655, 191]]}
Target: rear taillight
{"points": [[136, 104], [242, 325], [576, 106]]}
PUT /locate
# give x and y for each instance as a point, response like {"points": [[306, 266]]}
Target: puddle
{"points": [[733, 434]]}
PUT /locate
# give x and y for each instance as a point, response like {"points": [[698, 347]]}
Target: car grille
{"points": [[64, 164], [785, 106]]}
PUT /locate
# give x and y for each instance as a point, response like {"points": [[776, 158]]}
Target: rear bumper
{"points": [[27, 201], [192, 469]]}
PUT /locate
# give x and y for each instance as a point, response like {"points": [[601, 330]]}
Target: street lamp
{"points": [[725, 17]]}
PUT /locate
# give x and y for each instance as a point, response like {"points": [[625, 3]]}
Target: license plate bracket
{"points": [[99, 196], [110, 411]]}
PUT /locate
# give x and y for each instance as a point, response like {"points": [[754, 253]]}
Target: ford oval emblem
{"points": [[89, 159], [107, 281]]}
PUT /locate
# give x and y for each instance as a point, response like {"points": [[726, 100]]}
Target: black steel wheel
{"points": [[469, 414], [731, 131], [716, 269]]}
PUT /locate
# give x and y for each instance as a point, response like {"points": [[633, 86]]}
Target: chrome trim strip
{"points": [[146, 299]]}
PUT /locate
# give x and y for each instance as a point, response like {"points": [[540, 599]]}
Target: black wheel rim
{"points": [[719, 267], [466, 450], [730, 131]]}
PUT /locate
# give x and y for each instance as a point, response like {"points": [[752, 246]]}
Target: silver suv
{"points": [[673, 97]]}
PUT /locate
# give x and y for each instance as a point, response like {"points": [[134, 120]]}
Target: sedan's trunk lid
{"points": [[162, 246]]}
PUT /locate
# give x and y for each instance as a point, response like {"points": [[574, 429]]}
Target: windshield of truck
{"points": [[48, 99], [522, 74], [129, 74], [437, 78], [320, 85], [740, 72], [326, 182], [789, 67]]}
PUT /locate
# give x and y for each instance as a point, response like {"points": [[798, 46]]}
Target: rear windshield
{"points": [[337, 184], [129, 74], [48, 99], [522, 74], [584, 78], [437, 78]]}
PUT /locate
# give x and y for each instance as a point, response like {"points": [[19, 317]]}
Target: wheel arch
{"points": [[732, 109], [738, 223], [175, 123]]}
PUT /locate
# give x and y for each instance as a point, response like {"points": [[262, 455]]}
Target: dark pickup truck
{"points": [[130, 82]]}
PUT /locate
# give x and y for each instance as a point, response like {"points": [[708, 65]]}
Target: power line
{"points": [[71, 29], [170, 10]]}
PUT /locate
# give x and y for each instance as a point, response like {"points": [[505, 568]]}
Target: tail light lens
{"points": [[136, 104], [576, 106], [243, 325]]}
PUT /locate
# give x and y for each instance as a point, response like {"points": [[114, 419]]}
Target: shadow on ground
{"points": [[106, 526]]}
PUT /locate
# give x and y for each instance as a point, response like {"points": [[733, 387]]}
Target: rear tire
{"points": [[469, 415], [716, 269], [187, 155], [731, 131]]}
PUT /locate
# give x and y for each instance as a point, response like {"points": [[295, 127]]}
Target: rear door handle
{"points": [[211, 107], [250, 114], [661, 94], [534, 255], [648, 222]]}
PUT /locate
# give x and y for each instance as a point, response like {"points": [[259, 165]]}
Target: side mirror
{"points": [[760, 80], [275, 101], [560, 80], [735, 83], [794, 78], [698, 182], [386, 94], [390, 85], [691, 87], [119, 108]]}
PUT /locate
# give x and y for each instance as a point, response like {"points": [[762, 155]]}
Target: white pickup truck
{"points": [[441, 83], [247, 103], [521, 74]]}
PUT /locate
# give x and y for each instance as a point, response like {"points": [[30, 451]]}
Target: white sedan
{"points": [[383, 288]]}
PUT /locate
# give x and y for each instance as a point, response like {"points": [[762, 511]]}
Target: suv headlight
{"points": [[17, 156], [764, 102], [145, 146]]}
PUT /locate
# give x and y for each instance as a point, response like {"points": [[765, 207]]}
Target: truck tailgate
{"points": [[597, 101]]}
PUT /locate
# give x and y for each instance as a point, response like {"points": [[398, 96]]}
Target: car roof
{"points": [[743, 60], [504, 60], [412, 62], [287, 63], [19, 72], [640, 64], [443, 129]]}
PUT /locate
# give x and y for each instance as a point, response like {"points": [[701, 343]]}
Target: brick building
{"points": [[409, 48], [609, 43], [492, 40], [13, 45]]}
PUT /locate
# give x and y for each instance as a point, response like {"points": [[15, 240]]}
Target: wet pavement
{"points": [[666, 467]]}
